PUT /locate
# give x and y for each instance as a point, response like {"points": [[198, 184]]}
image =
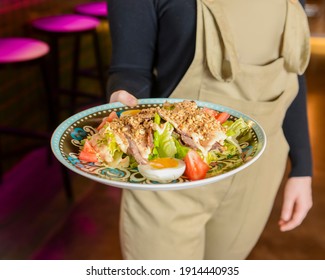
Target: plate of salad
{"points": [[160, 144]]}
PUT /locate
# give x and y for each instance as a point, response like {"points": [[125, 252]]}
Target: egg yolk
{"points": [[130, 113], [160, 163]]}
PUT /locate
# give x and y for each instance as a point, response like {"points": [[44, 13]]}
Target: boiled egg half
{"points": [[162, 170]]}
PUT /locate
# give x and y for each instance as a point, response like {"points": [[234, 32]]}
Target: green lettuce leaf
{"points": [[108, 145], [181, 150], [238, 132], [238, 129], [164, 145], [230, 151]]}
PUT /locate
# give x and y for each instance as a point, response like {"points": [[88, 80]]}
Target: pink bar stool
{"points": [[16, 51], [20, 52], [95, 9], [76, 26]]}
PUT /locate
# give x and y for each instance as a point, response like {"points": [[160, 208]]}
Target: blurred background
{"points": [[42, 214]]}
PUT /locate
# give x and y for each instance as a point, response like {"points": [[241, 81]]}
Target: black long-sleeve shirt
{"points": [[153, 44]]}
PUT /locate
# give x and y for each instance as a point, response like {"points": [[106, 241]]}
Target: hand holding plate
{"points": [[123, 97]]}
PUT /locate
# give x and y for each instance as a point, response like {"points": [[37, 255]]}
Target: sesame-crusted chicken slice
{"points": [[193, 122], [137, 129], [133, 133], [116, 128]]}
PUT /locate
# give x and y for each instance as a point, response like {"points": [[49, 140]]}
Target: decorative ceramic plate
{"points": [[66, 143]]}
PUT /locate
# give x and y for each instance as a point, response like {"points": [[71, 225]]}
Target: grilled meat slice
{"points": [[188, 141], [134, 150]]}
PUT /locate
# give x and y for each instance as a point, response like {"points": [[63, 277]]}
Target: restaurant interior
{"points": [[48, 212]]}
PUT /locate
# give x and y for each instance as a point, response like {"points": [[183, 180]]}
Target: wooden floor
{"points": [[37, 222]]}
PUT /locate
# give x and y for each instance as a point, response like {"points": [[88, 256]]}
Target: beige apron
{"points": [[223, 220]]}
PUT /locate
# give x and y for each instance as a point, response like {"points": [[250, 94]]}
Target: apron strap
{"points": [[221, 55], [296, 45]]}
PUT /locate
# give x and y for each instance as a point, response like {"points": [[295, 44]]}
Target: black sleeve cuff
{"points": [[137, 84]]}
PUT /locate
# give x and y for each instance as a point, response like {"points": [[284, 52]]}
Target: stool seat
{"points": [[17, 49], [67, 23], [96, 9]]}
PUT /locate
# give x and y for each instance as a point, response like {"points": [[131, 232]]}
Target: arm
{"points": [[133, 27], [297, 192], [297, 199], [296, 122]]}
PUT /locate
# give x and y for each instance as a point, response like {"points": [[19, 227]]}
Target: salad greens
{"points": [[167, 145], [164, 145]]}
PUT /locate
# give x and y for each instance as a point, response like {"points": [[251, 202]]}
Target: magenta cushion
{"points": [[97, 9], [15, 49], [66, 23]]}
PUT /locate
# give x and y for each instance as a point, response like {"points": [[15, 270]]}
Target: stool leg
{"points": [[52, 88], [51, 99], [67, 183], [52, 115], [51, 79], [56, 64], [75, 74], [99, 65]]}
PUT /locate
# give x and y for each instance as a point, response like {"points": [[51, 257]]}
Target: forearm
{"points": [[133, 35], [296, 130]]}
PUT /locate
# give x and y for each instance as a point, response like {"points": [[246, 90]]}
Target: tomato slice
{"points": [[222, 117], [211, 112], [112, 116], [196, 168], [109, 118], [88, 153]]}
